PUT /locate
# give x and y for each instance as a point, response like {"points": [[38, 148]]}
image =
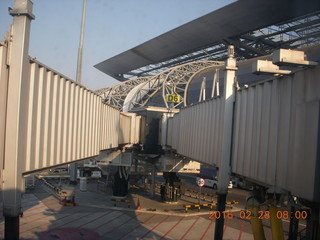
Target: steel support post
{"points": [[73, 173], [256, 223], [276, 223], [11, 231], [152, 185], [294, 225], [17, 105], [313, 224], [221, 206], [224, 168]]}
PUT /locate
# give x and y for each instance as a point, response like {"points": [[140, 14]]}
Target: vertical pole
{"points": [[153, 173], [256, 223], [202, 95], [80, 50], [313, 223], [73, 171], [294, 225], [16, 116], [224, 168], [73, 166], [204, 81], [215, 84], [276, 223]]}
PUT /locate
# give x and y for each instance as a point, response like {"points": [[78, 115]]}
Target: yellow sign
{"points": [[173, 98]]}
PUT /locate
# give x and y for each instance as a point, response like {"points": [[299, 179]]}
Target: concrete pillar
{"points": [[17, 105]]}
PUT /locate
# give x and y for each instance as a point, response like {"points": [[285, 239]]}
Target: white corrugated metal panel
{"points": [[65, 122], [133, 127], [62, 123], [276, 132], [255, 122], [271, 144], [125, 129], [3, 102], [196, 131], [110, 127]]}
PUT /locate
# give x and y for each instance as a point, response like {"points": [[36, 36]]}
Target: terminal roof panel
{"points": [[217, 27]]}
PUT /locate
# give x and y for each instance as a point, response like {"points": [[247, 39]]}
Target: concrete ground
{"points": [[95, 217]]}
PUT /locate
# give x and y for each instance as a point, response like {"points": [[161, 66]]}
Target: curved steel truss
{"points": [[171, 81], [116, 95]]}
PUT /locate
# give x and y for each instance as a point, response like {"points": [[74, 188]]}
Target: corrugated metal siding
{"points": [[276, 132], [109, 127], [174, 131], [266, 132], [125, 129], [3, 102], [62, 124], [170, 130], [196, 131], [130, 127], [65, 122]]}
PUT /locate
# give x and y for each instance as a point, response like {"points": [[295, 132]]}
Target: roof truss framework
{"points": [[116, 95], [297, 33], [255, 27], [171, 81]]}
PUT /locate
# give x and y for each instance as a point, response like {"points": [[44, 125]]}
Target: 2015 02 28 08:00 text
{"points": [[245, 214]]}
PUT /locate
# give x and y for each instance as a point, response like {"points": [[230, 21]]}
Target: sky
{"points": [[112, 27]]}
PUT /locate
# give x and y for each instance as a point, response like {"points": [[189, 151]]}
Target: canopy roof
{"points": [[220, 26]]}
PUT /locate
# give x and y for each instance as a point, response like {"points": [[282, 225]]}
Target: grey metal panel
{"points": [[176, 130], [273, 132], [170, 129], [227, 22], [284, 131], [305, 180], [305, 139]]}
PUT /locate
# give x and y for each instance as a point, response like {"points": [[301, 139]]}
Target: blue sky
{"points": [[112, 27]]}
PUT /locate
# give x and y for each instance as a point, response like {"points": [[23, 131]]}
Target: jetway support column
{"points": [[224, 168], [73, 173], [313, 222], [294, 225], [153, 178], [17, 113]]}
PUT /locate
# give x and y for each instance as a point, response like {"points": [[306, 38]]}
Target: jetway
{"points": [[275, 140], [65, 121], [46, 119]]}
